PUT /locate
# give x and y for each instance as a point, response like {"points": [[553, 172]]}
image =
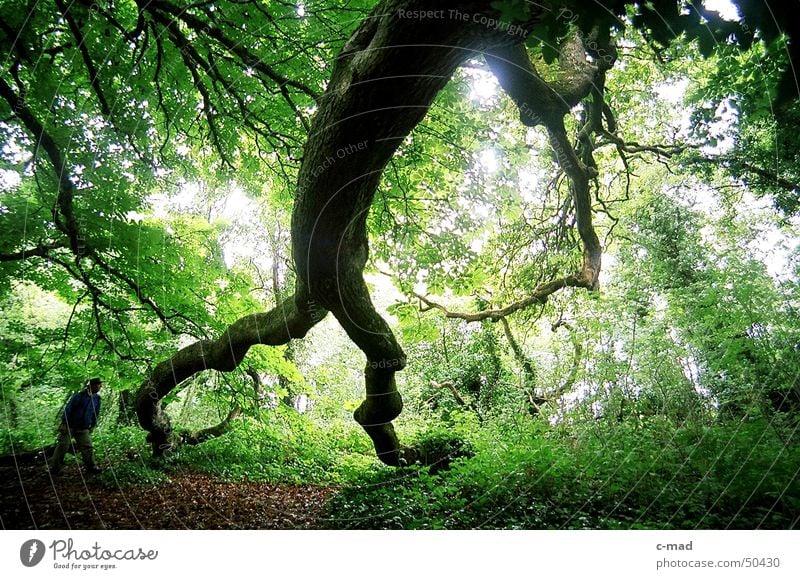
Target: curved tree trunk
{"points": [[381, 87], [291, 319]]}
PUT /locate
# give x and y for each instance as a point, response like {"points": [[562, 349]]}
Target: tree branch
{"points": [[200, 436], [732, 163], [285, 322], [538, 296], [236, 48], [66, 188], [540, 103], [94, 77], [456, 394], [38, 251]]}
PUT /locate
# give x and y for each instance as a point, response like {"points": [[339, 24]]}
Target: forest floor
{"points": [[30, 498]]}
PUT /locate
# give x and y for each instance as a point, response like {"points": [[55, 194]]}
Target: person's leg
{"points": [[56, 462], [84, 445]]}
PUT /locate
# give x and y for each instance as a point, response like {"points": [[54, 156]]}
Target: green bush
{"points": [[625, 475]]}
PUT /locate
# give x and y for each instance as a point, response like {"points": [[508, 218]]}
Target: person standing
{"points": [[77, 421]]}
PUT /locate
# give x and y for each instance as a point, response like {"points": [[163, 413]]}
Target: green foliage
{"points": [[124, 456], [512, 10], [669, 399], [289, 448], [437, 449], [625, 475]]}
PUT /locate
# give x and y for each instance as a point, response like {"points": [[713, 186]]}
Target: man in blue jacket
{"points": [[77, 421]]}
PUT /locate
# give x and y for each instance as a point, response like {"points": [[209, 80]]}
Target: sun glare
{"points": [[483, 85], [725, 8]]}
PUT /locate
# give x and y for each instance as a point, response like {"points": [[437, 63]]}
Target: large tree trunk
{"points": [[381, 87]]}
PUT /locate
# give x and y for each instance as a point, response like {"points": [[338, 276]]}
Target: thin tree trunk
{"points": [[127, 408], [284, 384], [529, 378]]}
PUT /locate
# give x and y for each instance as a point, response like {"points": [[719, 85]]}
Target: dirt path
{"points": [[31, 499]]}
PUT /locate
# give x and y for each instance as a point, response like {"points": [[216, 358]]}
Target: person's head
{"points": [[95, 384]]}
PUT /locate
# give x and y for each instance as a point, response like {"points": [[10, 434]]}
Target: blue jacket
{"points": [[81, 411]]}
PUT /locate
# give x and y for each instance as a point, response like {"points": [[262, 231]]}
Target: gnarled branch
{"points": [[290, 319]]}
